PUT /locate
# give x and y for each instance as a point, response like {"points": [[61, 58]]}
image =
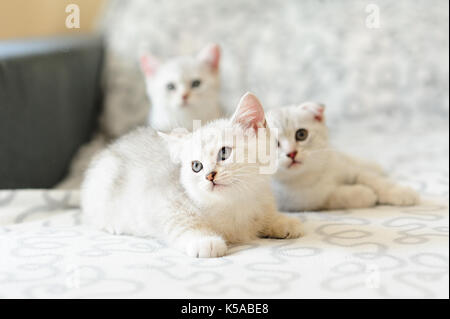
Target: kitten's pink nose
{"points": [[185, 96], [211, 175], [292, 155]]}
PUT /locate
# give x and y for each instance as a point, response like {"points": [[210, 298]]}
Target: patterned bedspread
{"points": [[382, 252]]}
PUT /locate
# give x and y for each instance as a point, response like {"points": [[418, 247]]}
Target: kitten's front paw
{"points": [[206, 247], [399, 196], [285, 227]]}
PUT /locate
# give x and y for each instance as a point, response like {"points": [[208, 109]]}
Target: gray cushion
{"points": [[49, 100]]}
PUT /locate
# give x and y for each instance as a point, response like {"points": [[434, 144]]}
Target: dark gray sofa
{"points": [[50, 96]]}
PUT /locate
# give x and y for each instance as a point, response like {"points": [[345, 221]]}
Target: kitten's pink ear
{"points": [[149, 64], [210, 55], [249, 113], [317, 110]]}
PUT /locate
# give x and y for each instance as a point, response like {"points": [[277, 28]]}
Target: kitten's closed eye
{"points": [[197, 166], [196, 83], [224, 153], [170, 86], [301, 134]]}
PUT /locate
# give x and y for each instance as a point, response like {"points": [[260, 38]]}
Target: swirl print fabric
{"points": [[382, 252], [386, 91]]}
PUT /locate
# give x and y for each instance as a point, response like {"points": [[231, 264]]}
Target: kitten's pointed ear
{"points": [[249, 113], [316, 109], [149, 64], [174, 141], [210, 55]]}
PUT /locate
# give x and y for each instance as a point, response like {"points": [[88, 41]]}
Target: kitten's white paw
{"points": [[399, 196], [206, 247], [285, 227]]}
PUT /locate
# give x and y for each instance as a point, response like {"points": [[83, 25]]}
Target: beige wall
{"points": [[29, 18]]}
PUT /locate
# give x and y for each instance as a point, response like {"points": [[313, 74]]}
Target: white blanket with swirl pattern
{"points": [[384, 252]]}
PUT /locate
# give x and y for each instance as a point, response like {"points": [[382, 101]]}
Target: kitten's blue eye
{"points": [[196, 83], [197, 166], [224, 153], [171, 86], [301, 134]]}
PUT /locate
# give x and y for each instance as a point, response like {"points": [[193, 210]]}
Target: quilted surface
{"points": [[384, 252]]}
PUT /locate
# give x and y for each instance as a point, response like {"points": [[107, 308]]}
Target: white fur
{"points": [[144, 185], [168, 109], [81, 160], [325, 178]]}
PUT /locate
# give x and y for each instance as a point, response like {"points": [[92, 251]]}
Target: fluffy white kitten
{"points": [[188, 188], [183, 89], [312, 176]]}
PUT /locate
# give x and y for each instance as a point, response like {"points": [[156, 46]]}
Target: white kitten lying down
{"points": [[187, 189], [312, 176], [183, 89]]}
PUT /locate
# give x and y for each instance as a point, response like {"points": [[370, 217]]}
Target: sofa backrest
{"points": [[49, 103]]}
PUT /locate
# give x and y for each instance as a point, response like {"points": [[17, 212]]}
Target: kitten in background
{"points": [[188, 189], [183, 89], [313, 176]]}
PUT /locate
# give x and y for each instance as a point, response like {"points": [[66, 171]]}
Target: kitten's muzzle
{"points": [[185, 98], [292, 155], [210, 176]]}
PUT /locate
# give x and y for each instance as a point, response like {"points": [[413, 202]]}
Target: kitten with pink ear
{"points": [[313, 176], [191, 189], [183, 89]]}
